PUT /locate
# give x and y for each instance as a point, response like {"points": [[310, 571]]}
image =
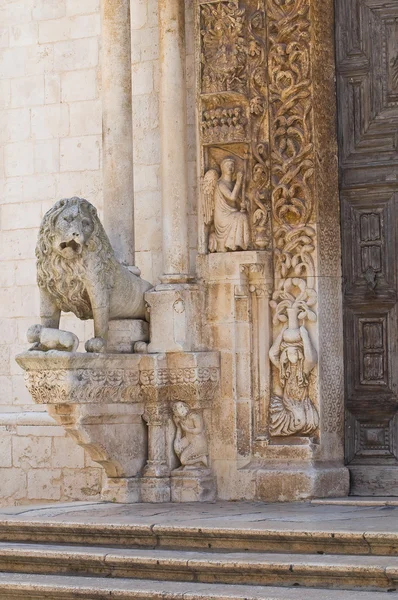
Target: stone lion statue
{"points": [[77, 271]]}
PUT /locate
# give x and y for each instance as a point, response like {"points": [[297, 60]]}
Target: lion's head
{"points": [[71, 231]]}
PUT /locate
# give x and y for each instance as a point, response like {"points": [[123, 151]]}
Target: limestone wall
{"points": [[50, 147]]}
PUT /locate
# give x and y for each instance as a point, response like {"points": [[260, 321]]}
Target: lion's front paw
{"points": [[95, 345]]}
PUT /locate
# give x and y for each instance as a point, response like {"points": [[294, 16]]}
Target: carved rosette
{"points": [[293, 408], [233, 100]]}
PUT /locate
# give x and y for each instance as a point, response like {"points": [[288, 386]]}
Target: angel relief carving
{"points": [[224, 208]]}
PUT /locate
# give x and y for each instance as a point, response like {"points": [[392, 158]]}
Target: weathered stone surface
{"points": [[133, 551], [88, 280], [53, 587], [123, 334], [297, 527]]}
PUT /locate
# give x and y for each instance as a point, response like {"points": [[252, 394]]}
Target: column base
{"points": [[193, 485], [280, 483], [124, 490], [155, 489]]}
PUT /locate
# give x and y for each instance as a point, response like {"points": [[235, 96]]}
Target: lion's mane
{"points": [[65, 279]]}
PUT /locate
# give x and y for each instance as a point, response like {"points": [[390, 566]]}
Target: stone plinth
{"points": [[193, 485], [121, 489], [124, 333], [175, 323]]}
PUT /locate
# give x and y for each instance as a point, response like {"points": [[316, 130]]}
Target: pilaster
{"points": [[269, 186]]}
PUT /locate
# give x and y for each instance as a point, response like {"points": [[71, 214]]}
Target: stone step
{"points": [[235, 526], [250, 537], [52, 587], [356, 501], [332, 571]]}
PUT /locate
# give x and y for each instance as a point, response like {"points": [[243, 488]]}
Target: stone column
{"points": [[117, 128], [155, 483], [174, 305], [173, 141]]}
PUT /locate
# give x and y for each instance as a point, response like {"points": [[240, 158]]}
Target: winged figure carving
{"points": [[223, 210]]}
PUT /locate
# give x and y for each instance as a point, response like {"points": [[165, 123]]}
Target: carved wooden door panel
{"points": [[367, 83]]}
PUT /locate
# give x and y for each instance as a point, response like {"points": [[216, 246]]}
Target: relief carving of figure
{"points": [[224, 209], [190, 443], [294, 355], [77, 271]]}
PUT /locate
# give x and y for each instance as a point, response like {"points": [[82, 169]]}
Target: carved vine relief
{"points": [[256, 111], [292, 166]]}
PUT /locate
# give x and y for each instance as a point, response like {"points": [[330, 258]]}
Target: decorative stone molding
{"points": [[64, 378]]}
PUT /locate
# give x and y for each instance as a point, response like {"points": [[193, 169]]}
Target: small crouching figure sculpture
{"points": [[190, 443], [77, 271], [44, 339]]}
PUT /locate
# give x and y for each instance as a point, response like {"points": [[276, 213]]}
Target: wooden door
{"points": [[367, 84]]}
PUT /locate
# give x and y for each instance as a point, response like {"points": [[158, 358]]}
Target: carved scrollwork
{"points": [[293, 354], [292, 146]]}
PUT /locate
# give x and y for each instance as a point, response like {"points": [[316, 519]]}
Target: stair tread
{"points": [[289, 519], [160, 556], [168, 590]]}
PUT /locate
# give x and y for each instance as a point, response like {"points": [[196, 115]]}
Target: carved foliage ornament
{"points": [[119, 385], [293, 354]]}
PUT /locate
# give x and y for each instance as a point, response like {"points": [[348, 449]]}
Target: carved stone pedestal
{"points": [[97, 399], [175, 311], [193, 485], [288, 482], [124, 333]]}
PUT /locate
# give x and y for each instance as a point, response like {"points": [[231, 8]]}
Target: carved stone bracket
{"points": [[103, 402]]}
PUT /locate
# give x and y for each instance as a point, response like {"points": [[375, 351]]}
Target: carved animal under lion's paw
{"points": [[45, 339], [77, 270]]}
